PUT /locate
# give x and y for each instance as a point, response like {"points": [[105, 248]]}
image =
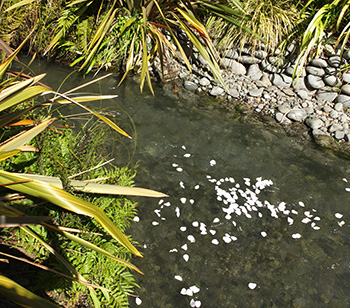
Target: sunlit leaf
{"points": [[98, 188], [19, 4], [23, 138], [8, 154], [83, 99], [22, 296], [22, 96], [7, 92], [68, 202], [100, 116], [89, 245], [4, 65]]}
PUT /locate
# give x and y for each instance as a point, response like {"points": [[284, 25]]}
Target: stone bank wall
{"points": [[320, 98]]}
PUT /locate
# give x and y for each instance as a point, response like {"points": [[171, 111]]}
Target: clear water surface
{"points": [[254, 218]]}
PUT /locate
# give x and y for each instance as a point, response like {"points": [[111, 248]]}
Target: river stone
{"points": [[327, 108], [346, 54], [287, 79], [297, 115], [317, 71], [280, 117], [303, 94], [248, 60], [344, 99], [346, 77], [344, 119], [254, 72], [232, 54], [255, 92], [278, 81], [268, 67], [283, 109], [338, 107], [236, 67], [327, 96], [339, 134], [217, 91], [335, 127], [345, 89], [319, 62], [299, 84], [260, 54], [190, 85], [202, 61], [331, 81], [334, 114], [289, 70], [265, 80], [331, 71], [234, 93], [288, 91], [334, 61], [314, 123], [315, 82], [204, 82]]}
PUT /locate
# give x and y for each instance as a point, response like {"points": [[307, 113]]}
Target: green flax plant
{"points": [[20, 95], [100, 34], [262, 24], [322, 23]]}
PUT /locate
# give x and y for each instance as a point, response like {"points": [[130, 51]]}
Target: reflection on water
{"points": [[254, 218]]}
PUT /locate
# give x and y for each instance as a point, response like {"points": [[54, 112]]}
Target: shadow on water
{"points": [[254, 218]]}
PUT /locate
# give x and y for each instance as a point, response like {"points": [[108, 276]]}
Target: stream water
{"points": [[253, 219]]}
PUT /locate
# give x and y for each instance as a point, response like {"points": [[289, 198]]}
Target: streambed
{"points": [[254, 218]]}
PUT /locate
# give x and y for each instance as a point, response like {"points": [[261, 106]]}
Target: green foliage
{"points": [[97, 34], [261, 24], [34, 235], [59, 155], [321, 24]]}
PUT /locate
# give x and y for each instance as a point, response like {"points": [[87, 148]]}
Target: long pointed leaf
{"points": [[23, 138], [91, 246], [98, 188], [19, 4], [8, 154], [100, 116], [22, 296], [19, 86], [67, 201], [59, 257], [4, 65], [22, 96]]}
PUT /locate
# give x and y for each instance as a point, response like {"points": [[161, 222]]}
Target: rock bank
{"points": [[319, 99]]}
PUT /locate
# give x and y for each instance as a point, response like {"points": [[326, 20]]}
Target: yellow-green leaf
{"points": [[22, 296], [19, 86], [19, 4], [98, 188], [22, 96], [68, 202], [100, 116], [23, 138], [8, 154], [91, 246]]}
